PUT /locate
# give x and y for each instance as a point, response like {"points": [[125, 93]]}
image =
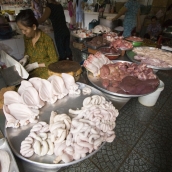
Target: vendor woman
{"points": [[131, 9], [39, 47]]}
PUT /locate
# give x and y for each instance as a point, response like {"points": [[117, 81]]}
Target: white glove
{"points": [[24, 60], [31, 66]]}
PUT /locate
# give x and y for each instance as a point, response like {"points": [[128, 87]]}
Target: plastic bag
{"points": [[93, 23]]}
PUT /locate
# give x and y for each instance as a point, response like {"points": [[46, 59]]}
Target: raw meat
{"points": [[134, 86], [134, 38], [58, 86], [154, 53], [121, 44], [97, 42], [128, 78]]}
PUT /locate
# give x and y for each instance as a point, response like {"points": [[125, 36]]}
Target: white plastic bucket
{"points": [[151, 99]]}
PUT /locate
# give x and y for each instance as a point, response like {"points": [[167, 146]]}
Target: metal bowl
{"points": [[137, 44], [96, 81], [110, 52], [79, 39]]}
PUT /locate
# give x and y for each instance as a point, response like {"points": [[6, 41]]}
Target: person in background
{"points": [[37, 8], [54, 11], [168, 17], [71, 13], [6, 31], [131, 9], [39, 47], [79, 9], [153, 30]]}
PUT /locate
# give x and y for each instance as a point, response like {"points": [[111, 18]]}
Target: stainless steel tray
{"points": [[132, 40], [4, 146], [131, 54], [97, 83], [16, 136], [95, 47], [79, 39]]}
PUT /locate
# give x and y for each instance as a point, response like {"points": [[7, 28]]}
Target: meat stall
{"points": [[54, 123]]}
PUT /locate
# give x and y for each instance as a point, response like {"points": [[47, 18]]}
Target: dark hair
{"points": [[153, 17], [27, 18], [169, 8]]}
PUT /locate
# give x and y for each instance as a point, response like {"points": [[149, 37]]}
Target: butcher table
{"points": [[24, 166]]}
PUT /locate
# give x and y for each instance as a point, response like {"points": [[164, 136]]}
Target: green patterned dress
{"points": [[43, 52]]}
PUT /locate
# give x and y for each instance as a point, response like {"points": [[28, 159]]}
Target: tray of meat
{"points": [[82, 34], [96, 42], [154, 58], [110, 37], [125, 79], [110, 52], [134, 39], [121, 44]]}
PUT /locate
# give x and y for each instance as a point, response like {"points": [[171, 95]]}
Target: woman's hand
{"points": [[31, 66], [24, 60]]}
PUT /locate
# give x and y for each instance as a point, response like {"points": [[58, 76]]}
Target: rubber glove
{"points": [[24, 60], [31, 66]]}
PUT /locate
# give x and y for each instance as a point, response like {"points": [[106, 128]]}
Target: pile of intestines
{"points": [[72, 139], [122, 77]]}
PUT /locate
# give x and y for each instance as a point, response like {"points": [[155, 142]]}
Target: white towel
{"points": [[9, 61]]}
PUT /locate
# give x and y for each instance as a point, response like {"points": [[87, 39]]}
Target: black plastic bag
{"points": [[93, 23]]}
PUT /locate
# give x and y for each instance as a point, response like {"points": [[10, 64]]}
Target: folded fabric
{"points": [[9, 61]]}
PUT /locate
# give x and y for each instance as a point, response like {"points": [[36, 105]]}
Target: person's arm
{"points": [[32, 5], [138, 21], [45, 15], [122, 11], [70, 9]]}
